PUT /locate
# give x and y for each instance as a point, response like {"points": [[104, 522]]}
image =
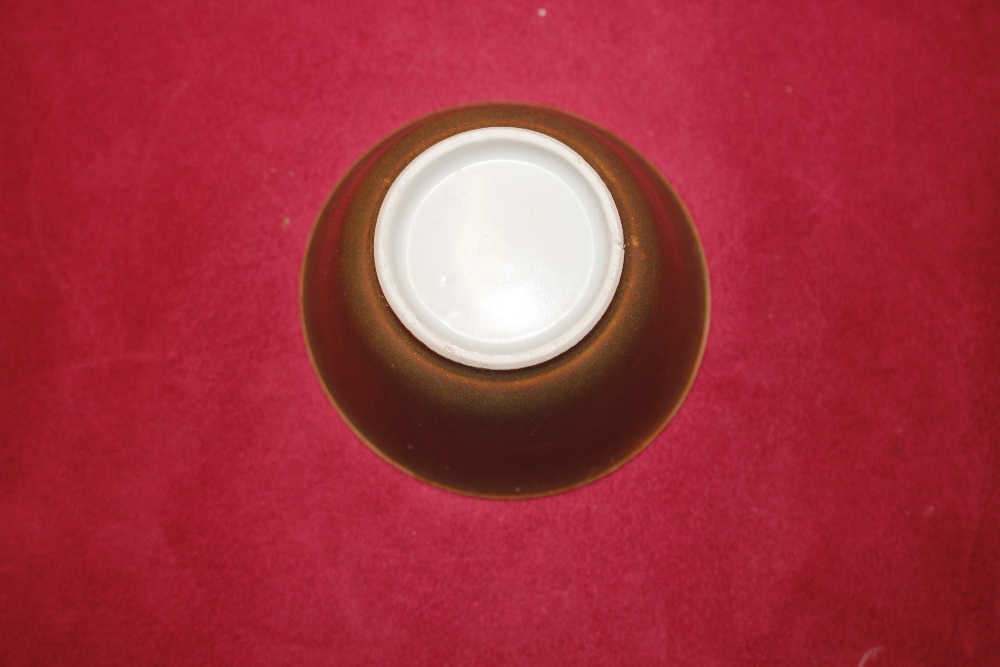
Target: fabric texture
{"points": [[176, 489]]}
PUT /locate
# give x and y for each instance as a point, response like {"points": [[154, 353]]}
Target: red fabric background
{"points": [[176, 489]]}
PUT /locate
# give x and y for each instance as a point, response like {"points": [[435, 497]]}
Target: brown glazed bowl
{"points": [[509, 433]]}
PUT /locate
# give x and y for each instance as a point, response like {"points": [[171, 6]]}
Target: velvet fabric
{"points": [[176, 489]]}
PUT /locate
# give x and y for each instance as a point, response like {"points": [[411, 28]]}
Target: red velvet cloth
{"points": [[176, 489]]}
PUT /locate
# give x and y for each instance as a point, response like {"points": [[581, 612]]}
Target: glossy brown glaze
{"points": [[518, 433]]}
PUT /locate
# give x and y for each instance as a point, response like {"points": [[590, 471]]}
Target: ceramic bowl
{"points": [[555, 417]]}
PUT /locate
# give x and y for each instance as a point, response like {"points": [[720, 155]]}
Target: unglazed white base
{"points": [[499, 247]]}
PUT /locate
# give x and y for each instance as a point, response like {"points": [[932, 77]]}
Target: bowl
{"points": [[505, 300]]}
